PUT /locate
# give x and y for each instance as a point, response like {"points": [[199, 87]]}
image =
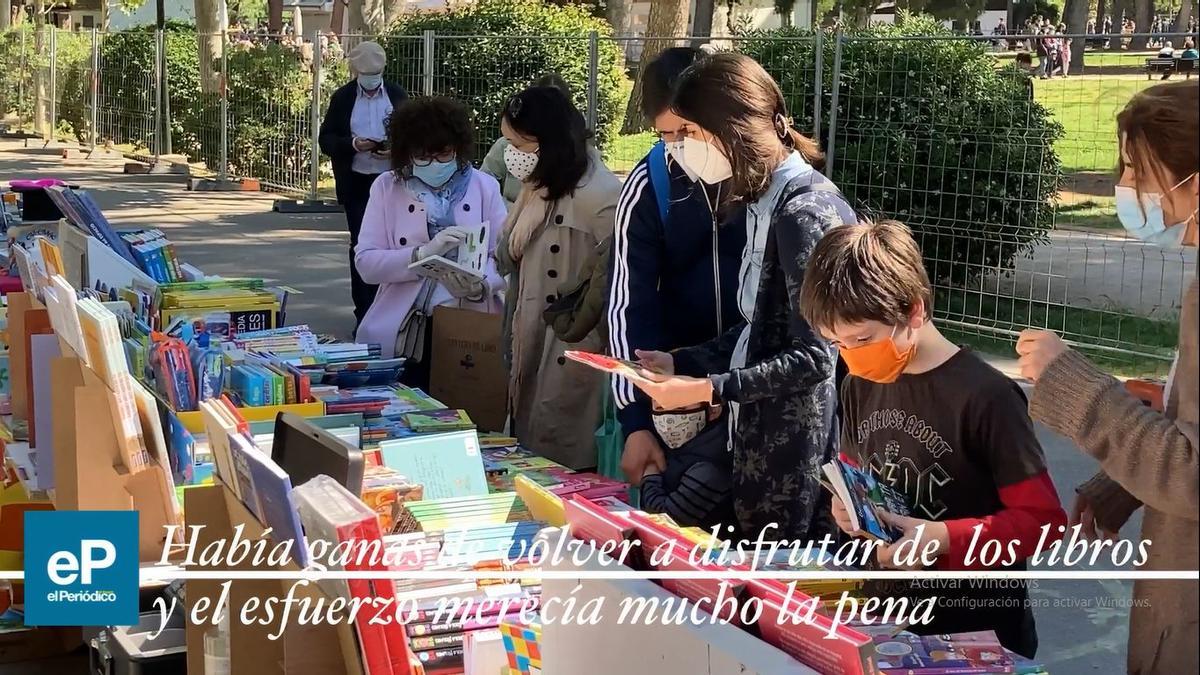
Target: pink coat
{"points": [[393, 226]]}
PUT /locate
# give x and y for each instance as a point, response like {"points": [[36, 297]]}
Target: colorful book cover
{"points": [[447, 465], [953, 654], [434, 421], [278, 510]]}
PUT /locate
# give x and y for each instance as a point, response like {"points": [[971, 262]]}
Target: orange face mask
{"points": [[880, 361]]}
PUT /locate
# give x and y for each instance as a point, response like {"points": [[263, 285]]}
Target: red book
{"points": [[330, 512], [787, 624]]}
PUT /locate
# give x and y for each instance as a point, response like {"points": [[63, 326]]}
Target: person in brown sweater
{"points": [[1147, 458]]}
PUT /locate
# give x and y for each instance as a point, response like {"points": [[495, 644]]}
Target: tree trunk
{"points": [[1184, 17], [664, 28], [702, 22], [617, 13], [1119, 7], [208, 38], [374, 16], [41, 85], [1143, 16], [5, 14], [1101, 11], [1075, 13], [274, 17]]}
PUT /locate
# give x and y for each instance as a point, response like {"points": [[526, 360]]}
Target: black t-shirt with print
{"points": [[948, 439]]}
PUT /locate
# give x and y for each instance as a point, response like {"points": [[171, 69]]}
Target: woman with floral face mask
{"points": [[565, 210], [1147, 458], [772, 370], [425, 207]]}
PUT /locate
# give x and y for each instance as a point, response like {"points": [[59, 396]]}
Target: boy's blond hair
{"points": [[868, 271]]}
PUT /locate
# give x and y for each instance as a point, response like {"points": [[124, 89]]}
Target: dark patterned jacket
{"points": [[786, 423]]}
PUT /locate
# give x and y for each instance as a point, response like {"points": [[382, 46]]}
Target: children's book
{"points": [[953, 654], [607, 364], [543, 504], [436, 421], [447, 465], [864, 498], [470, 259], [277, 507]]}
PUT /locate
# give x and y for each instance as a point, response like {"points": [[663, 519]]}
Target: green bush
{"points": [[932, 133], [484, 72], [17, 60]]}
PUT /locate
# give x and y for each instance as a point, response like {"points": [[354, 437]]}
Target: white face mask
{"points": [[703, 160], [675, 152], [519, 163], [1144, 218]]}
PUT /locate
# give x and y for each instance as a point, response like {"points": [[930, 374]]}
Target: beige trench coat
{"points": [[556, 403]]}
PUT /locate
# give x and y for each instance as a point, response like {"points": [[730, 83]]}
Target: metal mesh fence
{"points": [[1004, 172], [1007, 180], [127, 92]]}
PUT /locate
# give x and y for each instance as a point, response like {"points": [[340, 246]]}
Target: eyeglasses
{"points": [[426, 160]]}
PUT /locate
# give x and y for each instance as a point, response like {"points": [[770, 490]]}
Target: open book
{"points": [[471, 259], [864, 498]]}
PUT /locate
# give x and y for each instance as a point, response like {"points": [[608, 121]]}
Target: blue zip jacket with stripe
{"points": [[665, 278]]}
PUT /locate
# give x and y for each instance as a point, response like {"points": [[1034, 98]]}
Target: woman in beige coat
{"points": [[565, 209], [1147, 459]]}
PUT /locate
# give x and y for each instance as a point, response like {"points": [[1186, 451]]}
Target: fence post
{"points": [[831, 147], [159, 120], [94, 118], [427, 63], [52, 132], [223, 170], [315, 118], [21, 78], [819, 83], [164, 90], [593, 79]]}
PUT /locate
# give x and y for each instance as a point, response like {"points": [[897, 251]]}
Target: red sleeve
{"points": [[1029, 505]]}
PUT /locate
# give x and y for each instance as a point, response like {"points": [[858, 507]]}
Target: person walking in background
{"points": [[772, 370], [1147, 458], [429, 203], [564, 211], [493, 162], [354, 134], [674, 278]]}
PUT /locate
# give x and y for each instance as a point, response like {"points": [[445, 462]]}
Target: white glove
{"points": [[443, 241], [464, 287]]}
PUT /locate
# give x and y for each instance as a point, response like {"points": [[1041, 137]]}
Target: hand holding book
{"points": [[922, 539]]}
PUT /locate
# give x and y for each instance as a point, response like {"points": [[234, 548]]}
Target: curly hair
{"points": [[425, 126]]}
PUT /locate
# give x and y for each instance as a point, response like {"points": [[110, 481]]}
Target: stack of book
{"points": [[431, 515], [223, 308]]}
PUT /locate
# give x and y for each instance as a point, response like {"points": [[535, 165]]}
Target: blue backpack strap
{"points": [[660, 178]]}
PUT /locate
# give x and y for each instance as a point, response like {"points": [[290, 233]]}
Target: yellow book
{"points": [[51, 257], [543, 504]]}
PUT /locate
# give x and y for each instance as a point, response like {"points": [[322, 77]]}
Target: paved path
{"points": [[1081, 623]]}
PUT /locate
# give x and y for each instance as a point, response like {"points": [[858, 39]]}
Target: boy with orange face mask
{"points": [[935, 422]]}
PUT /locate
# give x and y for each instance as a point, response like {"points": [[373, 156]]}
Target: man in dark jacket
{"points": [[354, 135], [673, 283]]}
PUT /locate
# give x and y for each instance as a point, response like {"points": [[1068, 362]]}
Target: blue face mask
{"points": [[370, 82], [435, 173], [1144, 218]]}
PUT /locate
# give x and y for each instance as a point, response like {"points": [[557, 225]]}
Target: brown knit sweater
{"points": [[1147, 459]]}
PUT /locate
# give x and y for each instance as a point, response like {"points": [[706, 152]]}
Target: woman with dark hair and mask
{"points": [[431, 201], [773, 372], [564, 211]]}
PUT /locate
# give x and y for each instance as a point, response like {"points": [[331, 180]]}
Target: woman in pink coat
{"points": [[431, 202]]}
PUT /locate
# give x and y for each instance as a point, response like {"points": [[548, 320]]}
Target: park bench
{"points": [[1159, 64], [1187, 67]]}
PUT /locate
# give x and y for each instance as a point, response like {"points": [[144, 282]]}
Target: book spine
{"points": [[443, 641], [440, 658]]}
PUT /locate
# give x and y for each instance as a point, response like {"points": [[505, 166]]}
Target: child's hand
{"points": [[841, 516], [1082, 513], [656, 362], [909, 558]]}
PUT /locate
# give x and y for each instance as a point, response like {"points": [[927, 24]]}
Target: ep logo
{"points": [[81, 568]]}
